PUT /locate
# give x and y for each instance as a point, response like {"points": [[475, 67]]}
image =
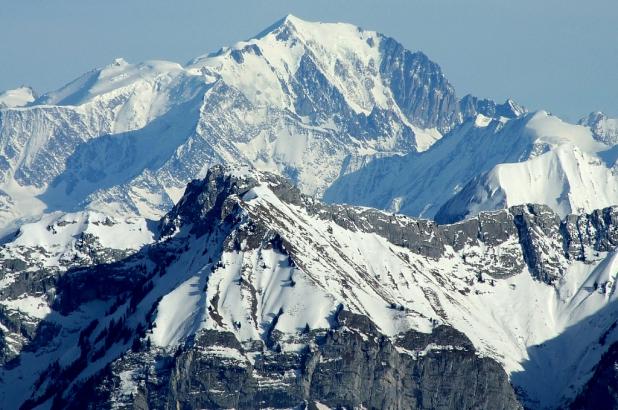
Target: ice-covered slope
{"points": [[300, 96], [244, 257], [17, 97], [490, 164]]}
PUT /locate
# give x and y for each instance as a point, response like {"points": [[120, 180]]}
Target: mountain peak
{"points": [[331, 34], [603, 128], [288, 21], [592, 118], [291, 19], [119, 62]]}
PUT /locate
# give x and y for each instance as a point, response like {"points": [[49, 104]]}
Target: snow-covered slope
{"points": [[567, 179], [300, 96], [38, 141], [17, 97], [246, 254], [489, 164]]}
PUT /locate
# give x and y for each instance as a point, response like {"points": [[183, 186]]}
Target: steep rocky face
{"points": [[350, 365], [535, 236], [471, 106], [405, 74], [603, 128]]}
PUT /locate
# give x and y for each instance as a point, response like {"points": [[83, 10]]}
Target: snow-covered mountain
{"points": [[300, 96], [488, 164], [247, 274], [122, 286]]}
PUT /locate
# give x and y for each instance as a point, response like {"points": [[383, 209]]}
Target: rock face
{"points": [[603, 128], [544, 240], [471, 106], [406, 73], [351, 365]]}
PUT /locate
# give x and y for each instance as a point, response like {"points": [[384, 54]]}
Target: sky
{"points": [[557, 55]]}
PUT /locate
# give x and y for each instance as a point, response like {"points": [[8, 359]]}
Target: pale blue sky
{"points": [[560, 55]]}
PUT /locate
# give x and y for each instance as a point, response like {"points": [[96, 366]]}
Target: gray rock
{"points": [[347, 367]]}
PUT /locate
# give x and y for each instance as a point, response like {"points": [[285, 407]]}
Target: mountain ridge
{"points": [[489, 164], [245, 252]]}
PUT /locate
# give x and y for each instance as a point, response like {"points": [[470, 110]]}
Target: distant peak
{"points": [[292, 23], [515, 108], [119, 62], [291, 19], [286, 22], [592, 118]]}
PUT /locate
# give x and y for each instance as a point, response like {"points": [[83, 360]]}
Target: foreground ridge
{"points": [[249, 291]]}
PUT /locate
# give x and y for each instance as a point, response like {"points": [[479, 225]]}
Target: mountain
{"points": [[17, 97], [604, 129], [126, 138], [491, 163], [232, 300], [176, 236]]}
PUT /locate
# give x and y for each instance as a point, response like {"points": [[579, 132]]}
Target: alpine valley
{"points": [[309, 219]]}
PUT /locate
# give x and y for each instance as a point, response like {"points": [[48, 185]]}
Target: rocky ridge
{"points": [[250, 275]]}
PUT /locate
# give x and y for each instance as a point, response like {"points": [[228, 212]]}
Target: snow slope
{"points": [[59, 240], [566, 178], [490, 164]]}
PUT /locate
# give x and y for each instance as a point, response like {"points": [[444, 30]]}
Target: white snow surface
{"points": [[17, 97], [489, 164], [53, 239], [58, 229]]}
